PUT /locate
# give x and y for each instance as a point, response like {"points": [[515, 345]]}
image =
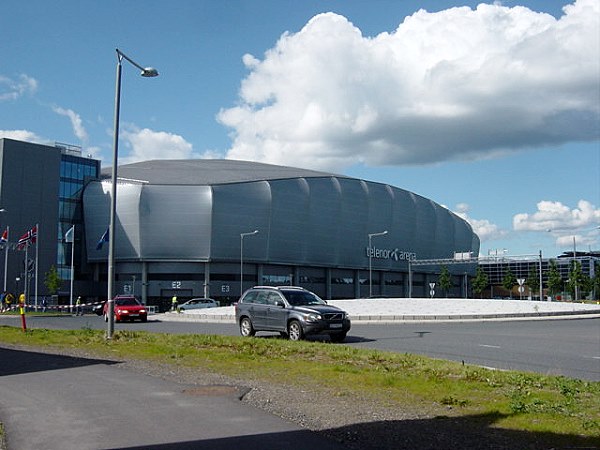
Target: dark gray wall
{"points": [[29, 187]]}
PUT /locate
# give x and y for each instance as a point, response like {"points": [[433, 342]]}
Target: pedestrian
{"points": [[8, 301], [44, 304], [174, 303], [2, 305], [78, 310]]}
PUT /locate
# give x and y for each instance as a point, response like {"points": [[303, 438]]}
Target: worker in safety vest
{"points": [[78, 310], [174, 303]]}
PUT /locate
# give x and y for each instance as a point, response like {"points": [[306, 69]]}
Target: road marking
{"points": [[489, 346]]}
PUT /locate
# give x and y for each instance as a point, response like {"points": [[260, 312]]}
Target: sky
{"points": [[489, 109]]}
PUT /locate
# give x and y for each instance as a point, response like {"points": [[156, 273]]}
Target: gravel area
{"points": [[358, 423]]}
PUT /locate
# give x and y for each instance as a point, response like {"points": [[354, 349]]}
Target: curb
{"points": [[229, 318]]}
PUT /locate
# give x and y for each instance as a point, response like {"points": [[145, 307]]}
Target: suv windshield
{"points": [[298, 298]]}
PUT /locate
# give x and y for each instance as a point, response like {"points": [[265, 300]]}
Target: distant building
{"points": [[524, 267]]}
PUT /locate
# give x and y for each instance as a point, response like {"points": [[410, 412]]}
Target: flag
{"points": [[30, 237], [70, 235], [102, 240], [4, 238]]}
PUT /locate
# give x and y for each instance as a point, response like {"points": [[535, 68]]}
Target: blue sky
{"points": [[492, 111]]}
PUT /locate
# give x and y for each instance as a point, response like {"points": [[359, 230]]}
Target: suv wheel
{"points": [[246, 328], [295, 332]]}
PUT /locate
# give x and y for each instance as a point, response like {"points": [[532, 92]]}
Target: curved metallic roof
{"points": [[209, 172]]}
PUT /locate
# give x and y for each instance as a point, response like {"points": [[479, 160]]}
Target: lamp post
{"points": [[2, 210], [371, 236], [242, 258], [146, 72]]}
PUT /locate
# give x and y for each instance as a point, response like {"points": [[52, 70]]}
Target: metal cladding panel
{"points": [[127, 225], [352, 238], [175, 222], [96, 203], [444, 231], [289, 233], [403, 218], [96, 207], [241, 208], [426, 242], [322, 221]]}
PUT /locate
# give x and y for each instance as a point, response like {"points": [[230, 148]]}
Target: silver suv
{"points": [[292, 311]]}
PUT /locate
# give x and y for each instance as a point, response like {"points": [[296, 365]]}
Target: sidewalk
{"points": [[421, 309]]}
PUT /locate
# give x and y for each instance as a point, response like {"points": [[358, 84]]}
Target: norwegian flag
{"points": [[27, 239]]}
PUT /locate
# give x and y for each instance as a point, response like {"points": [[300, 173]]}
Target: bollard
{"points": [[22, 312]]}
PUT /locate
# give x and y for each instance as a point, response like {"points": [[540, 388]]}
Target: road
{"points": [[67, 403], [569, 347]]}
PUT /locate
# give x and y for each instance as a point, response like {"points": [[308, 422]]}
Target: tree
{"points": [[445, 280], [52, 281], [555, 282], [533, 281], [480, 282], [509, 281], [576, 282], [596, 283]]}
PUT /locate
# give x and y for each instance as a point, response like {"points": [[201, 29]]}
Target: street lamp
{"points": [[2, 210], [242, 258], [146, 72], [371, 235]]}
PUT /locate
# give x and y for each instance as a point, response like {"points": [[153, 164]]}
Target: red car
{"points": [[127, 308]]}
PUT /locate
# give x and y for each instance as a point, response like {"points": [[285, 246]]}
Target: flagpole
{"points": [[72, 268], [6, 256], [37, 246]]}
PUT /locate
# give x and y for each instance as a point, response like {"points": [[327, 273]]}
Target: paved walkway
{"points": [[421, 309]]}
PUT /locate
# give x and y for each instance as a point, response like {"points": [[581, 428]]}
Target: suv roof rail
{"points": [[299, 288]]}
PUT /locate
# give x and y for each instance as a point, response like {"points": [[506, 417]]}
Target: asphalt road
{"points": [[61, 402], [569, 347]]}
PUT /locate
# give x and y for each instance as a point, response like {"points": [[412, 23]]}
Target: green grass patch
{"points": [[520, 401]]}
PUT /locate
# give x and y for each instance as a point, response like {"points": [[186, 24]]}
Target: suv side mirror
{"points": [[280, 303]]}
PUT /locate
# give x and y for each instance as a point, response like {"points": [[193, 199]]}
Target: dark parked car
{"points": [[127, 308], [292, 311], [98, 308], [199, 303]]}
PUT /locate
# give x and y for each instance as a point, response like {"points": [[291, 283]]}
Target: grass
{"points": [[520, 401]]}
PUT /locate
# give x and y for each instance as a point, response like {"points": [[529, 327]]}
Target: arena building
{"points": [[213, 228]]}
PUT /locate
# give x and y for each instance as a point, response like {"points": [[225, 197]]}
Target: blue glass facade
{"points": [[75, 171]]}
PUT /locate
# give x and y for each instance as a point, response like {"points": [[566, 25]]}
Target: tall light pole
{"points": [[2, 210], [146, 72], [242, 258], [371, 236]]}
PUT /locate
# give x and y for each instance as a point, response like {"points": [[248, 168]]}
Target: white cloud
{"points": [[577, 226], [76, 122], [459, 84], [22, 135], [558, 217], [146, 144], [11, 89], [486, 230]]}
